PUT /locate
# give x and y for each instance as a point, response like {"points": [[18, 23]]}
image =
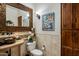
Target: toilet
{"points": [[31, 46]]}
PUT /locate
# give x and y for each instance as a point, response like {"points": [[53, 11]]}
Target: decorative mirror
{"points": [[17, 16]]}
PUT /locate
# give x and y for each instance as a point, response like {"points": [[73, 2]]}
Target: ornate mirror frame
{"points": [[3, 26]]}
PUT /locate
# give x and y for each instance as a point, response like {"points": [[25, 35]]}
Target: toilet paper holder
{"points": [[44, 50], [43, 47]]}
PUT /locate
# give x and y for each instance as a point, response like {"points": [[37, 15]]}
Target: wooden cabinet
{"points": [[15, 51], [23, 49], [70, 29]]}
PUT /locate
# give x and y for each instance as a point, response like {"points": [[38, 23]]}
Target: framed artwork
{"points": [[48, 22]]}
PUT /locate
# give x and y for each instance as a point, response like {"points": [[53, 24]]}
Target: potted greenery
{"points": [[30, 39]]}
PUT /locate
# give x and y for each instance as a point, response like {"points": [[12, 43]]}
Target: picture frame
{"points": [[48, 22]]}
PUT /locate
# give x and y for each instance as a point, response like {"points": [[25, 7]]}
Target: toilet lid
{"points": [[36, 52]]}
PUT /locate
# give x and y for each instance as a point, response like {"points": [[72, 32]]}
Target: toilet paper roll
{"points": [[43, 47]]}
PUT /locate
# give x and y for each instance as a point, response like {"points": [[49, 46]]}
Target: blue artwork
{"points": [[48, 22]]}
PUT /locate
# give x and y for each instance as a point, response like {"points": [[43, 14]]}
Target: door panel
{"points": [[67, 38], [77, 15], [75, 52], [75, 39], [66, 51], [67, 16]]}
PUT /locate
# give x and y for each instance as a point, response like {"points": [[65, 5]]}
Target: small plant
{"points": [[30, 39]]}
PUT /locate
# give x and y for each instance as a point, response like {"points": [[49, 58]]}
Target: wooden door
{"points": [[66, 16], [70, 29]]}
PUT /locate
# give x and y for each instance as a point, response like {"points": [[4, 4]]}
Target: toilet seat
{"points": [[37, 52]]}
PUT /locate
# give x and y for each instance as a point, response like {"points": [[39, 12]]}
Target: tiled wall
{"points": [[51, 42]]}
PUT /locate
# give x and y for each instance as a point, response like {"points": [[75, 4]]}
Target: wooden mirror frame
{"points": [[3, 26]]}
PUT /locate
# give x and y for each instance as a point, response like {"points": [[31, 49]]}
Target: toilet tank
{"points": [[31, 45]]}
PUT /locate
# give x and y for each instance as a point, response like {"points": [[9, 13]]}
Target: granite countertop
{"points": [[18, 42]]}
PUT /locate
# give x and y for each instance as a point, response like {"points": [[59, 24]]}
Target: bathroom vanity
{"points": [[15, 47], [18, 48]]}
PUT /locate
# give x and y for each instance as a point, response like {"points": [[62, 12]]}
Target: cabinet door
{"points": [[23, 49], [66, 16]]}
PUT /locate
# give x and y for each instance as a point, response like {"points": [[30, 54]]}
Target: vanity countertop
{"points": [[18, 42]]}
